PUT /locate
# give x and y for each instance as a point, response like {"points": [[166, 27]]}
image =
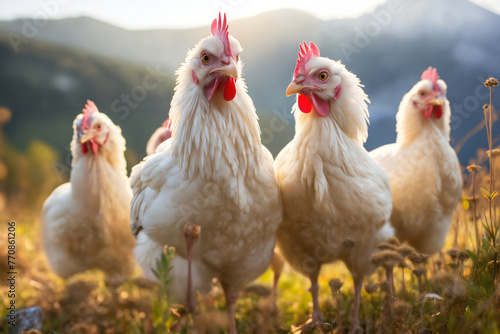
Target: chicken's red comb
{"points": [[431, 74], [220, 28], [305, 54], [89, 109]]}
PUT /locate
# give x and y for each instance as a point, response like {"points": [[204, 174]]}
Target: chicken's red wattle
{"points": [[93, 145], [438, 111], [304, 104], [229, 89], [432, 109], [321, 106], [85, 148]]}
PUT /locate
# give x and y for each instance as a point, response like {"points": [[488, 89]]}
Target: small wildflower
{"points": [[167, 248], [453, 253], [494, 153], [417, 258], [192, 231], [491, 82], [473, 168], [349, 243], [403, 265], [463, 256], [420, 271], [386, 247], [371, 288], [384, 286], [406, 250], [393, 241], [335, 284], [386, 258]]}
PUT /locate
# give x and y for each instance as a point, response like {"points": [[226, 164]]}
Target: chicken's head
{"points": [[214, 62], [316, 80], [92, 129], [428, 96]]}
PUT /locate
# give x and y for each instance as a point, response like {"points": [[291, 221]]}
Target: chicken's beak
{"points": [[436, 102], [86, 137], [229, 70], [293, 88]]}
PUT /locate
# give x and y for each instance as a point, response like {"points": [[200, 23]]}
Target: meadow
{"points": [[455, 291]]}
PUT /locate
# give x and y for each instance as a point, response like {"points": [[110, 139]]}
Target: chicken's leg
{"points": [[191, 233], [317, 317], [277, 264], [231, 298], [358, 283]]}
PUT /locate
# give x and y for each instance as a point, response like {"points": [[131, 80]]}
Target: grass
{"points": [[455, 291], [468, 300]]}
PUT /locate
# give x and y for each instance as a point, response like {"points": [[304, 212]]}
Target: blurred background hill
{"points": [[47, 73]]}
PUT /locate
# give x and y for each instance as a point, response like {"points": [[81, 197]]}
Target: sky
{"points": [[181, 14]]}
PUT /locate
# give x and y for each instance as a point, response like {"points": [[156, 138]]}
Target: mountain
{"points": [[46, 86], [388, 49]]}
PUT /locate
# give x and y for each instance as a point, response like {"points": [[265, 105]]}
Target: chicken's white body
{"points": [[86, 221], [332, 190], [336, 199], [215, 173], [425, 177]]}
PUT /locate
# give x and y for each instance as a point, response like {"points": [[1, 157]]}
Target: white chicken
{"points": [[423, 168], [213, 172], [332, 190], [159, 136], [86, 221]]}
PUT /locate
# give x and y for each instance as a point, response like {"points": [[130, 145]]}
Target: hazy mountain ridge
{"points": [[46, 86], [455, 36]]}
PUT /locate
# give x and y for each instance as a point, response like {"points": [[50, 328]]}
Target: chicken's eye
{"points": [[205, 58], [98, 126], [323, 76], [422, 93]]}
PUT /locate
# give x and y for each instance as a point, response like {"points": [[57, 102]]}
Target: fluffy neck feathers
{"points": [[213, 137], [329, 139]]}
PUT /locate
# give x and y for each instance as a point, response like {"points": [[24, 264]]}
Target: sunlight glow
{"points": [[180, 14]]}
